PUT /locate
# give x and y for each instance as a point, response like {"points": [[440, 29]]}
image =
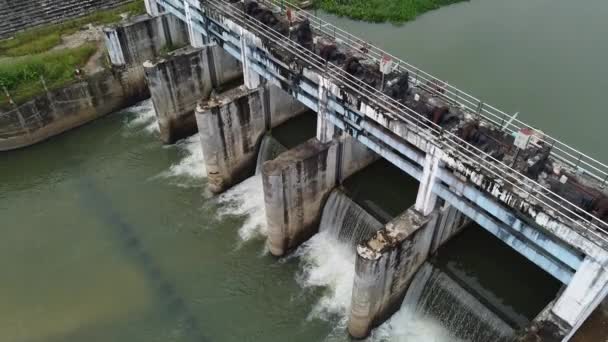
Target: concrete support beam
{"points": [[353, 156], [251, 78], [196, 38], [387, 263], [326, 130], [426, 199], [179, 81], [296, 185], [151, 8], [450, 222], [231, 128]]}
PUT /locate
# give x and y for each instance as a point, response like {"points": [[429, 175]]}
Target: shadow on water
{"points": [[296, 130], [97, 203], [503, 280], [382, 189]]}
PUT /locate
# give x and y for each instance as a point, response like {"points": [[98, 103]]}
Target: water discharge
{"points": [[437, 308], [246, 199], [270, 148], [347, 222], [328, 258], [192, 164], [144, 117]]}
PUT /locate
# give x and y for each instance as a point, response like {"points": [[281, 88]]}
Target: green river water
{"points": [[109, 236]]}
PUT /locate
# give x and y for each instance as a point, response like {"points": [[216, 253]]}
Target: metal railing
{"points": [[560, 150], [567, 211]]}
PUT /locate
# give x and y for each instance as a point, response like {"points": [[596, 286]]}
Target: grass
{"points": [[167, 49], [26, 57], [396, 11], [21, 75], [44, 38]]}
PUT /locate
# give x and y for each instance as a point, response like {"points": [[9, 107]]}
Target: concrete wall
{"points": [[68, 107], [143, 38], [180, 80], [387, 263], [17, 15], [231, 127]]}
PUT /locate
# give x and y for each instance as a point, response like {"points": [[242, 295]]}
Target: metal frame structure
{"points": [[567, 212]]}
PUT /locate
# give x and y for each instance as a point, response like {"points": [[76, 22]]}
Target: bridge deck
{"points": [[478, 140]]}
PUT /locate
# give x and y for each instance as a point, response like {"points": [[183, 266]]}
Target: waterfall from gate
{"points": [[270, 148], [437, 308], [346, 221]]}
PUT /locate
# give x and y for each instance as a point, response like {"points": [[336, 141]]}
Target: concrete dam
{"points": [[323, 118]]}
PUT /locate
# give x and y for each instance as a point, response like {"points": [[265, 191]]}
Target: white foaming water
{"points": [[405, 326], [192, 165], [328, 263], [246, 199], [145, 117]]}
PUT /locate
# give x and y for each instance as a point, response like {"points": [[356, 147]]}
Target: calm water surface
{"points": [[109, 236]]}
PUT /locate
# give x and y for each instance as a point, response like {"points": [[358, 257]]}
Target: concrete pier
{"points": [[232, 125], [387, 263], [297, 183], [143, 38], [177, 82]]}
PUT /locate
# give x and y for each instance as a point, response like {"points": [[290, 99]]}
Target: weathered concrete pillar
{"points": [[387, 263], [563, 317], [251, 78], [385, 266], [180, 80], [231, 127], [151, 8], [326, 131], [426, 199], [196, 38], [297, 183], [142, 38], [450, 221], [353, 156]]}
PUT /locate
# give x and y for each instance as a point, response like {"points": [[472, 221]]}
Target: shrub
{"points": [[381, 10]]}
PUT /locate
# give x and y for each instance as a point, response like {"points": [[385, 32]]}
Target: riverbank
{"points": [[396, 11], [52, 53]]}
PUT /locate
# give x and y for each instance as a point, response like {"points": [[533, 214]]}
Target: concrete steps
{"points": [[17, 15]]}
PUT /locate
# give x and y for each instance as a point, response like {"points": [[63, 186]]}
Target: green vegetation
{"points": [[44, 38], [167, 49], [21, 75], [381, 10], [27, 56]]}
